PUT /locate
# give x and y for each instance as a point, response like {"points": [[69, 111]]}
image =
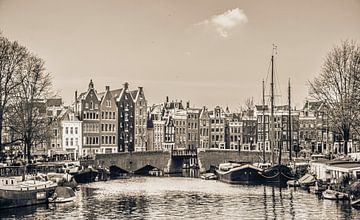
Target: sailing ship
{"points": [[278, 174]]}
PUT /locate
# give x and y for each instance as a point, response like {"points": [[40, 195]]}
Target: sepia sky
{"points": [[209, 52]]}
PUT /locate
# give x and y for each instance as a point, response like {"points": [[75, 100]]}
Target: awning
{"points": [[58, 152]]}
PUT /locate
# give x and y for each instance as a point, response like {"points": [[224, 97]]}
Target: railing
{"points": [[184, 153], [11, 171]]}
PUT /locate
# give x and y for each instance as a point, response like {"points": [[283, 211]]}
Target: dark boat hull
{"points": [[278, 175], [18, 198], [241, 175], [86, 176]]}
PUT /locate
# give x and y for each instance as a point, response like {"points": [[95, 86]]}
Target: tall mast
{"points": [[289, 124], [272, 135], [263, 107]]}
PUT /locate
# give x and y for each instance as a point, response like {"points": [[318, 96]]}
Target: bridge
{"points": [[172, 161]]}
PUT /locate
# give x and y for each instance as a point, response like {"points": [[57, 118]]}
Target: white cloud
{"points": [[226, 21]]}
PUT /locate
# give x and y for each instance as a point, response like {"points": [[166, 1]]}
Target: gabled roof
{"points": [[312, 105], [134, 94]]}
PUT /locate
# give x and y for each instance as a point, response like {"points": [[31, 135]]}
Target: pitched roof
{"points": [[54, 102]]}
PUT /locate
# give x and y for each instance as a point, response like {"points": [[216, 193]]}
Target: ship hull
{"points": [[86, 176], [20, 198], [278, 175], [245, 174]]}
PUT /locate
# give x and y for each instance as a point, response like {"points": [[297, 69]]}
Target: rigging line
{"points": [[266, 82], [277, 84]]}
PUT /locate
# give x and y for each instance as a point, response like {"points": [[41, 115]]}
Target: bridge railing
{"points": [[185, 152]]}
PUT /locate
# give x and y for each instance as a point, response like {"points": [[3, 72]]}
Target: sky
{"points": [[209, 52]]}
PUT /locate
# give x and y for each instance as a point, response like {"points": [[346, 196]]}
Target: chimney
{"points": [[167, 99], [126, 85], [107, 88], [75, 109], [188, 104], [140, 89]]}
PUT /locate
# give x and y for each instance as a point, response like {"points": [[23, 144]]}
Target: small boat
{"points": [[237, 173], [87, 175], [307, 180], [15, 193], [355, 203], [62, 195], [293, 183], [334, 195], [209, 176]]}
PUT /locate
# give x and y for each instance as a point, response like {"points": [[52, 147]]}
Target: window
{"points": [[108, 103], [76, 130], [71, 142], [67, 142], [86, 105], [71, 130], [66, 130]]}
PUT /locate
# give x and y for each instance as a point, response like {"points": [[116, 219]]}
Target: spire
{"points": [[126, 85], [91, 84]]}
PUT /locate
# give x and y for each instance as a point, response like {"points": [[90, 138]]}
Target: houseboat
{"points": [[16, 193], [237, 173]]}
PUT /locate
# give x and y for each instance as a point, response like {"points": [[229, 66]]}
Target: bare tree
{"points": [[12, 60], [338, 87], [29, 119]]}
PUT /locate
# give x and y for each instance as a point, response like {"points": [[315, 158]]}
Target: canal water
{"points": [[186, 198]]}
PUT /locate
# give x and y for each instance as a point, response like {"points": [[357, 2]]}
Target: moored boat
{"points": [[15, 193], [334, 195], [209, 176], [86, 175], [278, 175], [239, 173], [293, 183], [355, 203], [62, 195]]}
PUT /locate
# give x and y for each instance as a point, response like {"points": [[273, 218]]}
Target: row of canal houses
{"points": [[120, 120]]}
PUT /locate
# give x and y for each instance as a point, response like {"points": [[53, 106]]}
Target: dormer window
{"points": [[91, 105], [108, 103]]}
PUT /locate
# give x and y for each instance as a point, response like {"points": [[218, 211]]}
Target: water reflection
{"points": [[188, 198]]}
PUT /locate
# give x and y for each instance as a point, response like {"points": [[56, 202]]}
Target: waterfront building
{"points": [[108, 121], [140, 119], [88, 110], [71, 133], [54, 107], [235, 133], [249, 124], [192, 130], [158, 122], [307, 126], [179, 117], [218, 126], [150, 135], [263, 127], [169, 140], [204, 127]]}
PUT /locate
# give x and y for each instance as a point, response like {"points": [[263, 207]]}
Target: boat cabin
{"points": [[331, 171], [8, 182]]}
